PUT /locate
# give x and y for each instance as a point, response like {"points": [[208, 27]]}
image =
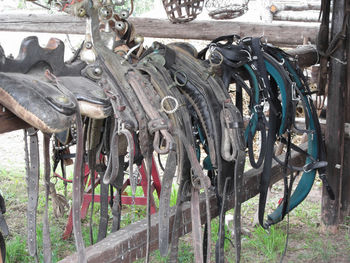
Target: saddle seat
{"points": [[92, 100], [38, 103]]}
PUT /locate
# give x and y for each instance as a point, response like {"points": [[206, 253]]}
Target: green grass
{"points": [[306, 242], [269, 244], [16, 248]]}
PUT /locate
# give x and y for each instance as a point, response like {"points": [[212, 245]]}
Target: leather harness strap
{"points": [[77, 191], [2, 249], [46, 230], [196, 226], [33, 170], [3, 225]]}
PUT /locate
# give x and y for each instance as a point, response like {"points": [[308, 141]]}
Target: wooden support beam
{"points": [[336, 112], [10, 122], [129, 243], [276, 33]]}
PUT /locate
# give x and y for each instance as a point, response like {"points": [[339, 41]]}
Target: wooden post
{"points": [[335, 126], [345, 194]]}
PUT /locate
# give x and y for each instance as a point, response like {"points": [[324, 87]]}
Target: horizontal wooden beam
{"points": [[10, 122], [129, 243], [276, 33]]}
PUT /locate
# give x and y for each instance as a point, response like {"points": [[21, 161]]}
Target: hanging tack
{"points": [[124, 14], [119, 2], [120, 25]]}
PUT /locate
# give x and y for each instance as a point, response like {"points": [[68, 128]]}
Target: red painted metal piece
{"points": [[126, 200]]}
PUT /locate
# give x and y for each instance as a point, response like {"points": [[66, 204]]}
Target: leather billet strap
{"points": [[103, 224], [2, 249], [94, 148], [33, 173], [164, 202], [117, 203], [46, 230], [148, 168], [3, 225], [196, 226], [77, 191], [198, 173]]}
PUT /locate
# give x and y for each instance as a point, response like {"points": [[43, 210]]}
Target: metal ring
{"points": [[220, 55], [170, 98], [177, 81]]}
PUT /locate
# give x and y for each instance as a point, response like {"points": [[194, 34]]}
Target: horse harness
{"points": [[169, 100]]}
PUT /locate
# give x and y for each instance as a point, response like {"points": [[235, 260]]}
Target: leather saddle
{"points": [[48, 105]]}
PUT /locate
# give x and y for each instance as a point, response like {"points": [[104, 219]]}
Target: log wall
{"points": [[276, 33]]}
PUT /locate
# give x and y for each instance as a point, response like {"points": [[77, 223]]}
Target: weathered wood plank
{"points": [[345, 197], [129, 243], [335, 125], [277, 33]]}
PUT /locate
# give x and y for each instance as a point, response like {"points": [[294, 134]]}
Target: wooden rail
{"points": [[129, 243], [10, 122], [276, 33]]}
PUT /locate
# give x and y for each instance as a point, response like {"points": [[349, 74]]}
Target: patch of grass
{"points": [[307, 213], [320, 249], [269, 244], [214, 234], [185, 253], [16, 250]]}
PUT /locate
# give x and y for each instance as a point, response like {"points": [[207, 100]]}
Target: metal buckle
{"points": [[294, 92], [306, 168], [121, 126]]}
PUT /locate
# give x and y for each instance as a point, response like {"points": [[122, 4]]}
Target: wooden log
{"points": [[330, 212], [129, 243], [302, 16], [10, 122], [278, 34], [274, 8]]}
